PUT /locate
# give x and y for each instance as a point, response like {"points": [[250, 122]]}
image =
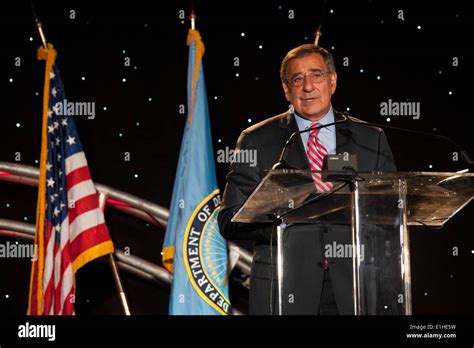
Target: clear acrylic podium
{"points": [[378, 208]]}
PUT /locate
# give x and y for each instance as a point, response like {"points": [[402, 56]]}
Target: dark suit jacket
{"points": [[304, 243]]}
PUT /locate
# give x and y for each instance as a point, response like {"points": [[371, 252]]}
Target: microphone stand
{"points": [[281, 164], [463, 152]]}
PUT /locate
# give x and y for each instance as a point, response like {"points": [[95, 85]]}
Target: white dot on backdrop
{"points": [[242, 34], [219, 140], [18, 125], [378, 77], [450, 93], [136, 175], [120, 134], [83, 78], [7, 296], [31, 39], [105, 108], [124, 80], [361, 70], [10, 80], [215, 97], [430, 166], [123, 51], [249, 120], [150, 99], [260, 46], [418, 27], [388, 119], [237, 74], [138, 123]]}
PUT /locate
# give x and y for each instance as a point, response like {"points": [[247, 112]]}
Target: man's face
{"points": [[311, 100]]}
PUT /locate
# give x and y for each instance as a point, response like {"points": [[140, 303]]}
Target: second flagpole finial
{"points": [[193, 20]]}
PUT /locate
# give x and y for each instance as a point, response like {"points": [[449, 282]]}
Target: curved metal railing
{"points": [[122, 201]]}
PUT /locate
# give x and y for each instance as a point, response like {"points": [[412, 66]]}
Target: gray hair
{"points": [[305, 50]]}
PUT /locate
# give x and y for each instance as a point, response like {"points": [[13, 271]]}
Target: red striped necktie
{"points": [[316, 152]]}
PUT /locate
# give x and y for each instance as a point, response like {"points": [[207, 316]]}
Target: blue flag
{"points": [[193, 248]]}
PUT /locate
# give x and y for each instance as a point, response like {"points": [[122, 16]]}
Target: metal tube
{"points": [[113, 265], [128, 262], [16, 229], [356, 248], [145, 266], [28, 175], [118, 284], [280, 228], [405, 240]]}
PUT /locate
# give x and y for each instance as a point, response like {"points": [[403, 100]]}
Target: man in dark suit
{"points": [[313, 284]]}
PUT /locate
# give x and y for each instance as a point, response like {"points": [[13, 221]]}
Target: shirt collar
{"points": [[304, 123]]}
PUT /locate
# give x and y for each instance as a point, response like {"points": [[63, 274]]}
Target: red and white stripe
{"points": [[83, 227], [316, 152]]}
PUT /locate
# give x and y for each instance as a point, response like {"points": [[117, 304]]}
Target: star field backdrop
{"points": [[384, 50]]}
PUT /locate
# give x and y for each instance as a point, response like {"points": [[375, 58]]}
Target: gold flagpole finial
{"points": [[317, 36], [39, 26], [318, 32], [193, 20], [193, 16]]}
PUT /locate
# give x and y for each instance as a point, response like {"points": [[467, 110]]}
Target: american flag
{"points": [[74, 228]]}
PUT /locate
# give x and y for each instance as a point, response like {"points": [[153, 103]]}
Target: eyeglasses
{"points": [[315, 77]]}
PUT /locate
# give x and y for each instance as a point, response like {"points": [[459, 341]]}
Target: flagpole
{"points": [[39, 26], [317, 36], [318, 32], [113, 265], [102, 197], [193, 17]]}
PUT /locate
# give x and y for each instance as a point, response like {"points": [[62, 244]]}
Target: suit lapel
{"points": [[296, 155], [343, 135]]}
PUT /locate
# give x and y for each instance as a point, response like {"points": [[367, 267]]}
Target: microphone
{"points": [[463, 152], [281, 164]]}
